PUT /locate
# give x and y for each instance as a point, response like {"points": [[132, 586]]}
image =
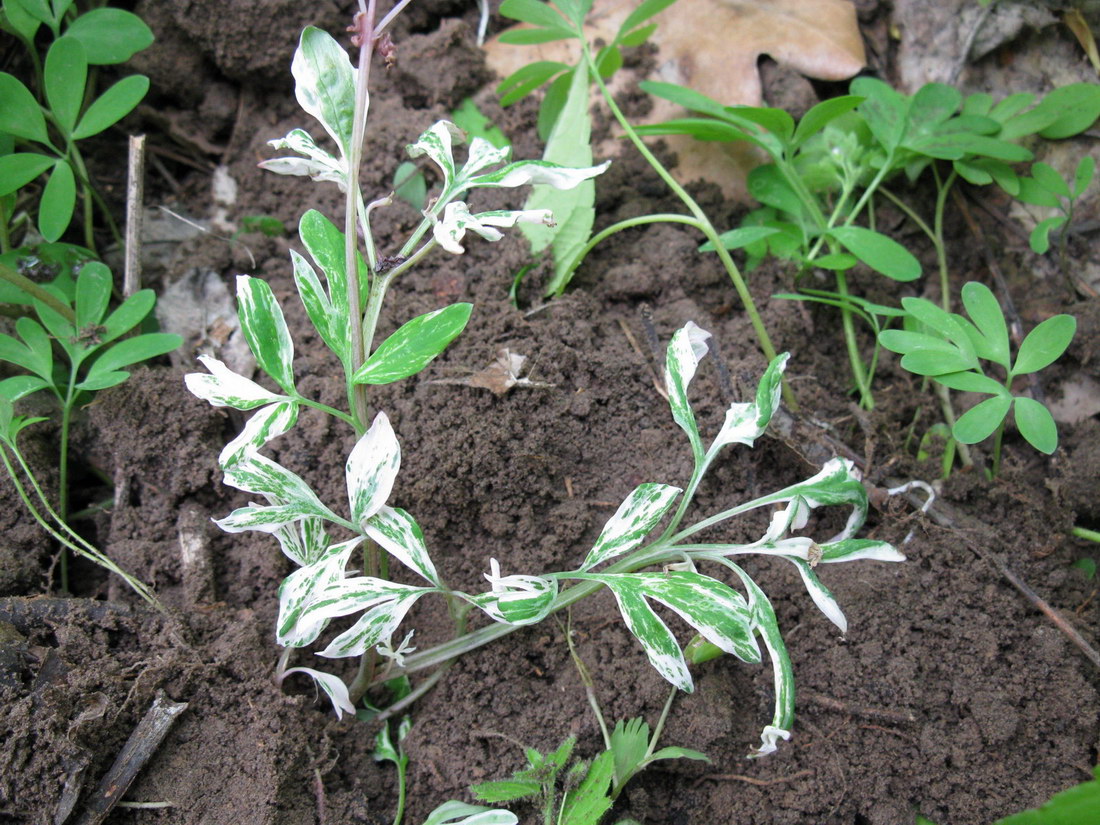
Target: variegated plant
{"points": [[343, 303], [322, 589]]}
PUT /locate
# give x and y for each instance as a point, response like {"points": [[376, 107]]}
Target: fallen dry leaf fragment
{"points": [[499, 377], [713, 46]]}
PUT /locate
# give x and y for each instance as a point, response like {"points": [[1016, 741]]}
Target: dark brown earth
{"points": [[950, 695]]}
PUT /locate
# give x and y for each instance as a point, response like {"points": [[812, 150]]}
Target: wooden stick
{"points": [[135, 206]]}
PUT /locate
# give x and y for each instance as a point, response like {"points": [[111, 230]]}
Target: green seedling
{"points": [[564, 120], [95, 357], [470, 120], [951, 351], [63, 109], [1047, 188], [826, 170], [386, 750]]}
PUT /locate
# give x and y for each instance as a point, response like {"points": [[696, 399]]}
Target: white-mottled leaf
{"points": [[316, 163], [820, 594], [858, 550], [267, 518], [225, 388], [632, 522], [265, 424], [413, 345], [325, 243], [325, 84], [304, 586], [537, 172], [746, 422], [305, 541], [516, 600], [457, 220], [685, 351], [333, 687], [838, 482], [399, 535], [437, 144], [329, 326], [371, 469], [459, 813], [375, 626], [254, 473], [265, 330], [482, 155]]}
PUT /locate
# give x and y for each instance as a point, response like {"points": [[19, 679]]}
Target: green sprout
{"points": [[63, 108], [952, 349], [1047, 188]]}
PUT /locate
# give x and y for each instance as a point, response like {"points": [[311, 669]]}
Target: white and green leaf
{"points": [[316, 163], [305, 541], [515, 600], [685, 351], [303, 587], [438, 144], [413, 346], [265, 424], [374, 627], [746, 422], [632, 522], [330, 325], [333, 687], [225, 388], [399, 535], [371, 469], [325, 84], [457, 220], [255, 473], [265, 330]]}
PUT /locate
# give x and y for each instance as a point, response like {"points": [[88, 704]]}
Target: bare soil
{"points": [[951, 694]]}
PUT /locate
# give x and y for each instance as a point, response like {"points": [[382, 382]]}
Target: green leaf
{"points": [[985, 311], [738, 238], [608, 61], [329, 325], [699, 128], [265, 330], [879, 252], [1030, 191], [110, 35], [506, 790], [1039, 240], [591, 800], [39, 352], [534, 37], [65, 74], [971, 382], [1082, 177], [21, 168], [553, 102], [1073, 806], [1036, 424], [1078, 106], [413, 346], [1050, 180], [767, 184], [20, 114], [643, 12], [128, 314], [525, 80], [821, 115], [884, 109], [38, 9], [979, 422], [113, 105], [639, 513], [18, 387], [535, 13], [574, 209], [325, 84], [325, 244], [678, 753], [133, 350], [1044, 344], [638, 36], [629, 743], [469, 119], [22, 23], [93, 292], [55, 210]]}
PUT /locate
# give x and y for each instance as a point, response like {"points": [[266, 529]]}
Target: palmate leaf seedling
{"points": [[1047, 188], [825, 171], [96, 355], [343, 303], [564, 114], [951, 351], [63, 110]]}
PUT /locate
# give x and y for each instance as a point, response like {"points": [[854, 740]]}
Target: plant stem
{"points": [[866, 399], [660, 726], [997, 448], [38, 293], [1085, 533], [942, 190], [702, 223]]}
